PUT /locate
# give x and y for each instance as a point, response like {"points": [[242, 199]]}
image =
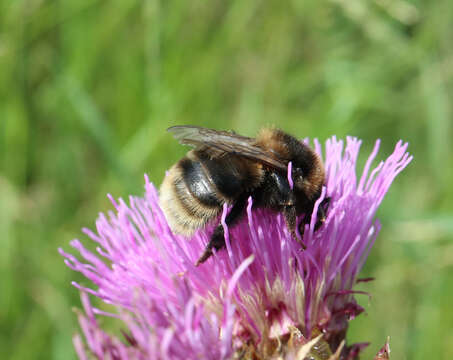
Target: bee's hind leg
{"points": [[217, 240]]}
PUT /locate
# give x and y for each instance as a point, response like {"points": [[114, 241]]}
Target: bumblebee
{"points": [[227, 168]]}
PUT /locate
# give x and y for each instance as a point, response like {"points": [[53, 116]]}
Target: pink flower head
{"points": [[261, 291]]}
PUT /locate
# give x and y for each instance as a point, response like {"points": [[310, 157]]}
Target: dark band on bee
{"points": [[197, 182], [224, 174]]}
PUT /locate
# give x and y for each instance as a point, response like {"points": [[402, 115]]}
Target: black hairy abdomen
{"points": [[225, 175], [198, 183], [214, 181]]}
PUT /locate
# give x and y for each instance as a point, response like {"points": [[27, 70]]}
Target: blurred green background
{"points": [[88, 88]]}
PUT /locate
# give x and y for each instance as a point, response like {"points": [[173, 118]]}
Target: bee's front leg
{"points": [[322, 213], [320, 216], [289, 213]]}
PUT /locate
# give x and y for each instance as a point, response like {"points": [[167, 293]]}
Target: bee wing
{"points": [[219, 143]]}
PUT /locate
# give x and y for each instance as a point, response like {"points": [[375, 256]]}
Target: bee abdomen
{"points": [[188, 197]]}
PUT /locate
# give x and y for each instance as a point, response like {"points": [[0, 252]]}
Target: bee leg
{"points": [[305, 221], [321, 218], [217, 241], [291, 221], [322, 210]]}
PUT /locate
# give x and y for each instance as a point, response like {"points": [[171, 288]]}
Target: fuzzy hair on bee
{"points": [[227, 168]]}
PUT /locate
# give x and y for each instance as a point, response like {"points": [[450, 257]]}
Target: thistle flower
{"points": [[263, 297]]}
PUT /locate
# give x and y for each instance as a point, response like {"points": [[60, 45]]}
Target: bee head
{"points": [[307, 168], [308, 177]]}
